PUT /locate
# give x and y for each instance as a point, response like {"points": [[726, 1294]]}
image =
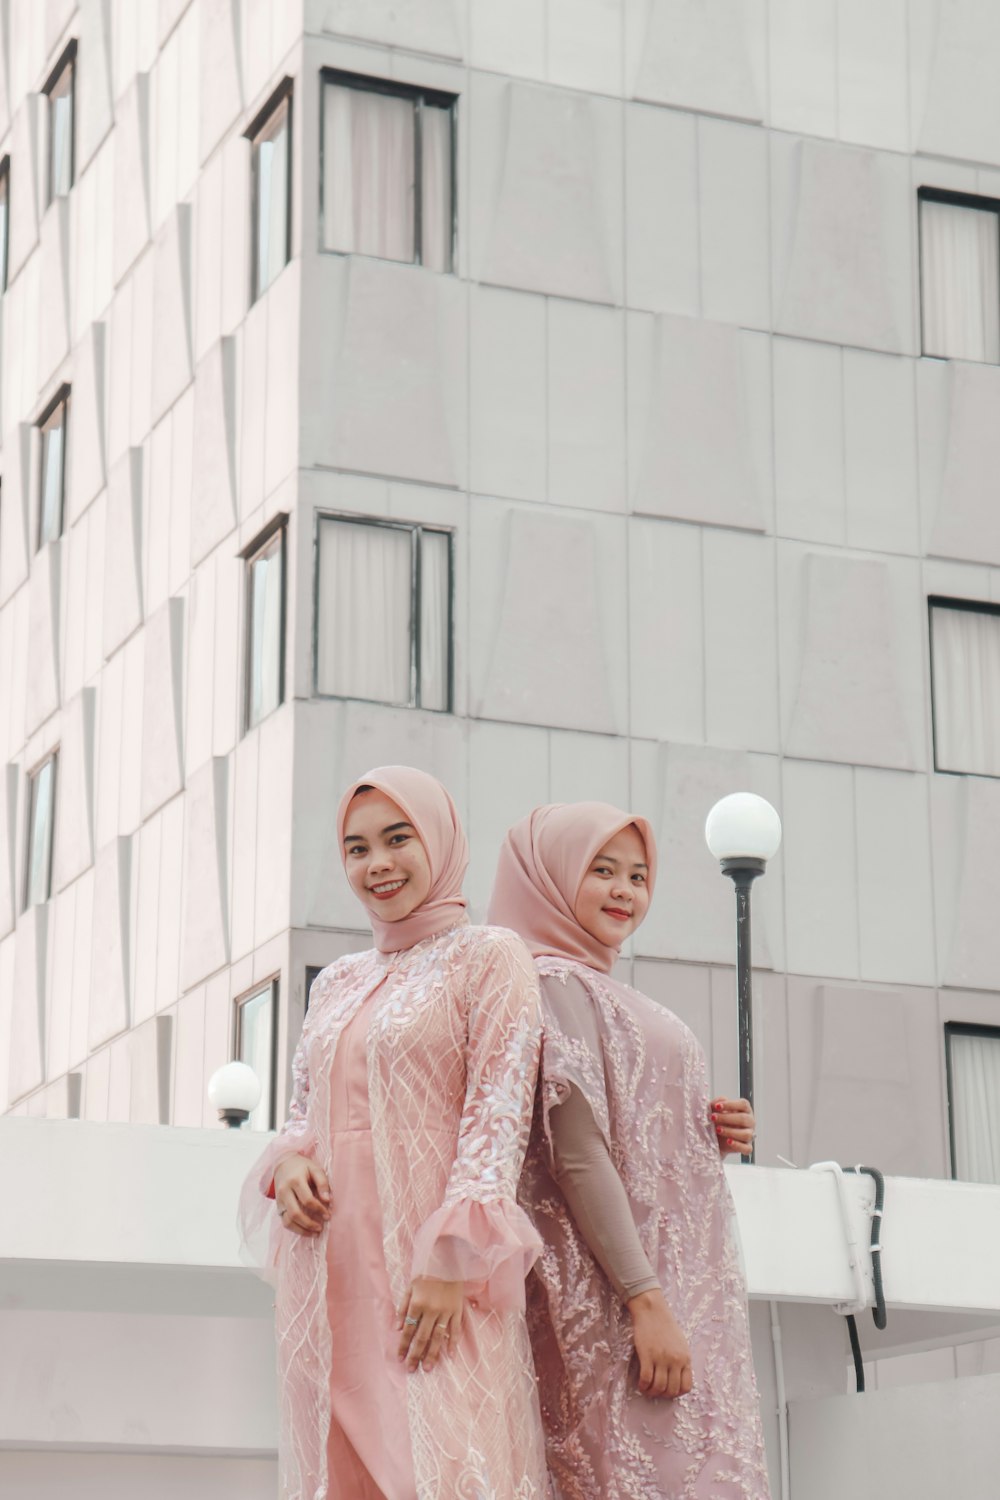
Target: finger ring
{"points": [[411, 1322], [437, 1326]]}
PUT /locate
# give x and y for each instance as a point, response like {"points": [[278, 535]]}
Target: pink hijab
{"points": [[433, 814], [542, 863]]}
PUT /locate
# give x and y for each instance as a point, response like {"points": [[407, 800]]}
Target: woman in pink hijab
{"points": [[637, 1305], [399, 1249]]}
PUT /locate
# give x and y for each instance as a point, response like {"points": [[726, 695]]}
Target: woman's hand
{"points": [[734, 1125], [662, 1349], [429, 1320], [301, 1195]]}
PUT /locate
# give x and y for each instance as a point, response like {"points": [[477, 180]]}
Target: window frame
{"points": [[416, 529], [50, 758], [960, 1028], [419, 96], [67, 60], [313, 971], [5, 245], [965, 606], [60, 399], [249, 554], [240, 1001], [283, 94], [978, 201]]}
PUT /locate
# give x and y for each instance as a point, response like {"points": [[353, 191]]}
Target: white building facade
{"points": [[575, 398]]}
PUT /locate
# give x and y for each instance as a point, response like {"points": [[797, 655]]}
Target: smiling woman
{"points": [[399, 1247]]}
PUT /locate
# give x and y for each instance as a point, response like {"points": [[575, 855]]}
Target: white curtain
{"points": [[436, 196], [368, 173], [975, 1106], [960, 271], [435, 585], [61, 126], [966, 656], [272, 203], [40, 834], [50, 520], [265, 633], [256, 1049], [363, 646]]}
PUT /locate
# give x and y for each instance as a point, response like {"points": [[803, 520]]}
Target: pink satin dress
{"points": [[368, 1452]]}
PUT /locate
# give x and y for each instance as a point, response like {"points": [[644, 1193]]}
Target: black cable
{"points": [[878, 1311]]}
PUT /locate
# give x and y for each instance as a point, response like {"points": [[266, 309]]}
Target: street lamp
{"points": [[743, 832], [234, 1090]]}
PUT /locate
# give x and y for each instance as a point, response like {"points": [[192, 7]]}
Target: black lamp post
{"points": [[743, 831]]}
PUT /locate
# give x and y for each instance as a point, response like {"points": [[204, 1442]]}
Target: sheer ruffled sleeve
{"points": [[572, 1054], [479, 1235], [258, 1222]]}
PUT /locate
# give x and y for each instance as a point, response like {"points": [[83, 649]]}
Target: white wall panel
{"points": [[848, 701], [189, 1081], [147, 863], [546, 200], [199, 676], [9, 902], [802, 46], [43, 635], [132, 185], [208, 257], [508, 776], [162, 756], [213, 495], [94, 109], [272, 868], [741, 644], [281, 427], [388, 389], [508, 453], [434, 26], [820, 862], [666, 647], [172, 367], [82, 950], [27, 133], [967, 519], [73, 846], [734, 223], [808, 441], [873, 105], [87, 469], [205, 941], [961, 115], [586, 406], [697, 54], [236, 211], [895, 897], [54, 254], [253, 385], [562, 584], [26, 1068], [880, 452], [123, 538], [111, 965], [60, 998], [693, 450], [168, 938], [965, 824], [133, 692], [588, 768], [844, 261], [509, 38], [584, 45], [141, 402], [661, 210], [15, 530], [220, 84]]}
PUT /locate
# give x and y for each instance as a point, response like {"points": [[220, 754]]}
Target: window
{"points": [[265, 649], [965, 686], [271, 135], [61, 91], [52, 481], [388, 171], [384, 613], [960, 275], [41, 806], [973, 1060], [4, 220], [312, 971], [256, 1044]]}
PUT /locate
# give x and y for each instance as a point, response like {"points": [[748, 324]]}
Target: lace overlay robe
{"points": [[452, 1042], [643, 1074]]}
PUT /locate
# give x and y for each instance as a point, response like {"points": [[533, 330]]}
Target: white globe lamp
{"points": [[234, 1090]]}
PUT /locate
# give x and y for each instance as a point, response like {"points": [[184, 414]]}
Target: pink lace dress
{"points": [[414, 1078], [642, 1072]]}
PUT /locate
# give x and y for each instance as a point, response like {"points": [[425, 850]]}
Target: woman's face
{"points": [[387, 864], [614, 895]]}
